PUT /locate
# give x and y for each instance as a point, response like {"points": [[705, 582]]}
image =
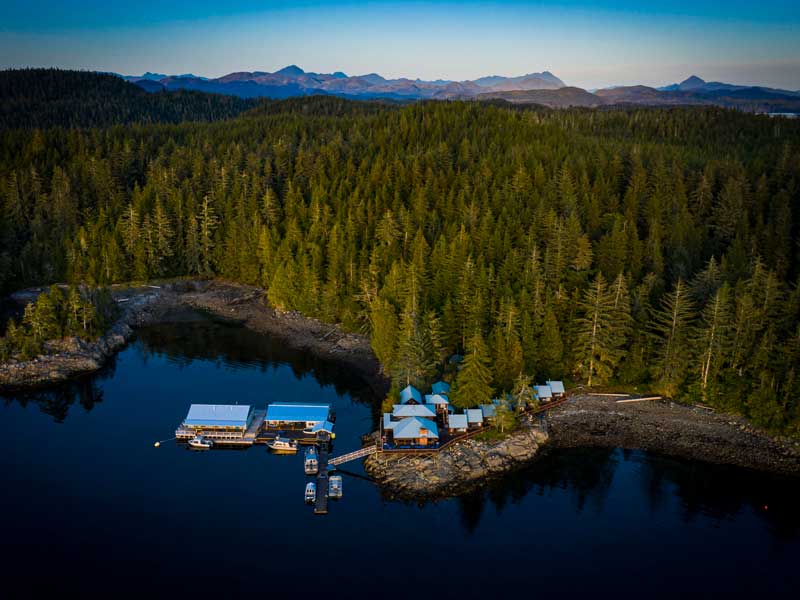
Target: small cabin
{"points": [[474, 417], [441, 387], [410, 395], [439, 403], [457, 424], [489, 412], [544, 393], [414, 431], [557, 388]]}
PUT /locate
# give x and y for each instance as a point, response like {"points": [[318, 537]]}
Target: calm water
{"points": [[90, 506]]}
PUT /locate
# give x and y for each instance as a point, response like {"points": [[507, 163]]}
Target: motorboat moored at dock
{"points": [[335, 486], [311, 492], [282, 445], [311, 463], [200, 443]]}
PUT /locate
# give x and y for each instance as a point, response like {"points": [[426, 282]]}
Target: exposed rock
{"points": [[455, 469]]}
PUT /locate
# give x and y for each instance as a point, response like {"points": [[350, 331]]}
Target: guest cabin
{"points": [[438, 403], [544, 393], [488, 411], [297, 416], [441, 387], [457, 424], [557, 388], [401, 411], [410, 395], [414, 432], [474, 418]]}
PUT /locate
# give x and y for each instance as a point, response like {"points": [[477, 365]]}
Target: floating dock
{"points": [[321, 503]]}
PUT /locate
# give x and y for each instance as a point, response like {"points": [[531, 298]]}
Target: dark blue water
{"points": [[90, 507]]}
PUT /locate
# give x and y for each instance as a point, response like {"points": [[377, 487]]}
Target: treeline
{"points": [[36, 98], [638, 247], [56, 314]]}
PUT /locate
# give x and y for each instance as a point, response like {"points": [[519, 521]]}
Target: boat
{"points": [[311, 492], [311, 464], [200, 443], [335, 486], [282, 445]]}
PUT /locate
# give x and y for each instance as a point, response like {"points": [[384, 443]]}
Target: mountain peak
{"points": [[291, 71], [691, 82]]}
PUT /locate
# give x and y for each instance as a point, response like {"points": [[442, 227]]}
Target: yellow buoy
{"points": [[333, 436], [157, 444]]}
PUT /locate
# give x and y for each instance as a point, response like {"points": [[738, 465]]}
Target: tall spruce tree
{"points": [[672, 326], [473, 384]]}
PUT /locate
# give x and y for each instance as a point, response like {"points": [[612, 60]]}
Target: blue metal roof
{"points": [[544, 391], [324, 426], [457, 421], [436, 399], [440, 387], [411, 428], [556, 386], [218, 415], [413, 410], [488, 410], [298, 412], [408, 393], [474, 415]]}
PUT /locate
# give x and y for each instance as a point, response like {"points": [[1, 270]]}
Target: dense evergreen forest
{"points": [[31, 98], [644, 247]]}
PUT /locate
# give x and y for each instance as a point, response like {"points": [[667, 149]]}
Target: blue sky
{"points": [[590, 44]]}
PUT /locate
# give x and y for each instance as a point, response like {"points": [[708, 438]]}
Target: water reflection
{"points": [[57, 401], [587, 476], [191, 336]]}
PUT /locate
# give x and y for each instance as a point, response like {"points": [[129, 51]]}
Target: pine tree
{"points": [[473, 384], [550, 349], [383, 333], [523, 392]]}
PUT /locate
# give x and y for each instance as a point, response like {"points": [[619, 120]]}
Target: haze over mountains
{"points": [[534, 88]]}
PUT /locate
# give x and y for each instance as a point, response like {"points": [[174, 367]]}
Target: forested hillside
{"points": [[31, 98], [654, 247]]}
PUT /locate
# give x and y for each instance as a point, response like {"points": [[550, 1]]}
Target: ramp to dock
{"points": [[363, 452]]}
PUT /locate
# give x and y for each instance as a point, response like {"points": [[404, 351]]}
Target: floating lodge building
{"points": [[241, 425], [415, 423]]}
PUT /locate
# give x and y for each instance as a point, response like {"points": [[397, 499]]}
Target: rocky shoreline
{"points": [[456, 469], [149, 305]]}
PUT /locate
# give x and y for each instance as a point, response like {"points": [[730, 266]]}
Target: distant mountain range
{"points": [[293, 81], [535, 88]]}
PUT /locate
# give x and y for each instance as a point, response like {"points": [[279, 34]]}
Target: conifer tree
{"points": [[601, 329], [714, 336], [473, 384], [672, 326]]}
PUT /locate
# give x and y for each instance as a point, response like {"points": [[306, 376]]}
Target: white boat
{"points": [[311, 492], [335, 486], [200, 443], [311, 464], [283, 445]]}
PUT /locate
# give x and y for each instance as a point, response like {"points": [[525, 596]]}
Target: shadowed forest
{"points": [[649, 247]]}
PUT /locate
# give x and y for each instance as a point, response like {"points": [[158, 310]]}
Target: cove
{"points": [[89, 507]]}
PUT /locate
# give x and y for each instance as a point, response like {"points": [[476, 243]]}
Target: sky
{"points": [[586, 43]]}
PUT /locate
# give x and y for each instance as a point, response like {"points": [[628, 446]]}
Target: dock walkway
{"points": [[321, 502]]}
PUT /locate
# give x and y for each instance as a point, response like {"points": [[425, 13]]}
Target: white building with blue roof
{"points": [[457, 423], [291, 415], [232, 417], [415, 431], [557, 388], [544, 393], [474, 417]]}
